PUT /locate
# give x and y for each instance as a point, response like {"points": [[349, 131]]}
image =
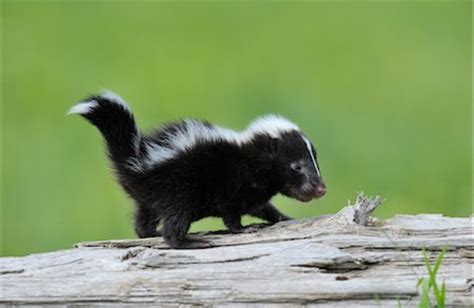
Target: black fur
{"points": [[213, 178]]}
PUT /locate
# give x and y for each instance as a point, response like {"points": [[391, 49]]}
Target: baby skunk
{"points": [[191, 169]]}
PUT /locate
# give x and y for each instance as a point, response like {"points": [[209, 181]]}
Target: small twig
{"points": [[364, 206], [359, 211]]}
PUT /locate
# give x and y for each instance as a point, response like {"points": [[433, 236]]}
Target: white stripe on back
{"points": [[191, 132]]}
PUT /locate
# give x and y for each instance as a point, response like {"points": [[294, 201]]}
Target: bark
{"points": [[346, 259]]}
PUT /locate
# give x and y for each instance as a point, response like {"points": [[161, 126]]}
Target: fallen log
{"points": [[346, 259]]}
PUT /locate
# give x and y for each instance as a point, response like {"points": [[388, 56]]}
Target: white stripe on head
{"points": [[310, 150]]}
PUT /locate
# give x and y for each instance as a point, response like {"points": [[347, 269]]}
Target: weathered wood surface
{"points": [[328, 261]]}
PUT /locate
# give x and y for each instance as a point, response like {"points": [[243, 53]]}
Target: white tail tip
{"points": [[83, 108]]}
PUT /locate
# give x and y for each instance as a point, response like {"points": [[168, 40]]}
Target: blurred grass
{"points": [[382, 88]]}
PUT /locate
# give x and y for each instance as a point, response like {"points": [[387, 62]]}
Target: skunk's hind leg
{"points": [[146, 222], [175, 229]]}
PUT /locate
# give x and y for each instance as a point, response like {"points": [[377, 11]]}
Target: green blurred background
{"points": [[382, 88]]}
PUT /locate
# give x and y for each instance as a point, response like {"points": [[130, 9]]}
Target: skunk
{"points": [[191, 169]]}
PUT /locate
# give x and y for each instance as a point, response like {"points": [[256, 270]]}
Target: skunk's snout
{"points": [[318, 188]]}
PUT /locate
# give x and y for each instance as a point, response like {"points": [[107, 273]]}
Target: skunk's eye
{"points": [[295, 167]]}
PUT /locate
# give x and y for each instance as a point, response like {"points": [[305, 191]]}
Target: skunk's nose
{"points": [[321, 190]]}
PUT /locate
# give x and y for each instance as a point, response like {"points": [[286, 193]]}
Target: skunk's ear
{"points": [[273, 146]]}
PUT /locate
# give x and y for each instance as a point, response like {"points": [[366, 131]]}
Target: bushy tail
{"points": [[112, 116]]}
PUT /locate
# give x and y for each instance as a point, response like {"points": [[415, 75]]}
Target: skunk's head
{"points": [[297, 166], [293, 157]]}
